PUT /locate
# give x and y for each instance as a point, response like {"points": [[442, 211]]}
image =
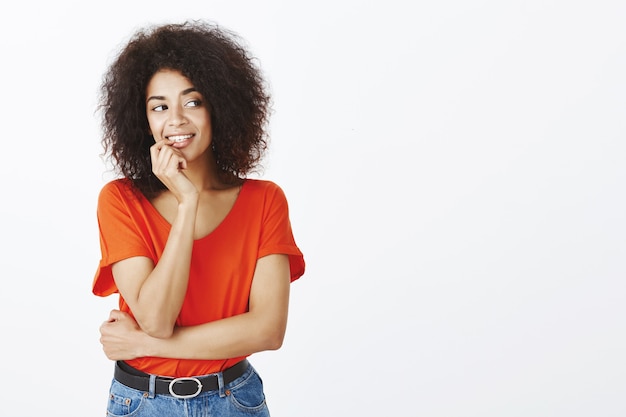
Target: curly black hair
{"points": [[216, 62]]}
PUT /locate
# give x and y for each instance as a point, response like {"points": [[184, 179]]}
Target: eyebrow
{"points": [[184, 93]]}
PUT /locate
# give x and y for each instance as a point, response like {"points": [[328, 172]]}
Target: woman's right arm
{"points": [[155, 293]]}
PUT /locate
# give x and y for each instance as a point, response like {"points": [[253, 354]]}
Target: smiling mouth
{"points": [[179, 138]]}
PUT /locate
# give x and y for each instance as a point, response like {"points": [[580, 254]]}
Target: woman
{"points": [[201, 256]]}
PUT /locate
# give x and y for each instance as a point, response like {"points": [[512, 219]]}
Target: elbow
{"points": [[274, 338], [157, 330], [275, 344]]}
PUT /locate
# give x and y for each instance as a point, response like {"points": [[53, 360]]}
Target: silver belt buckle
{"points": [[175, 380]]}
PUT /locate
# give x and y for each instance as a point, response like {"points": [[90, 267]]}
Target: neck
{"points": [[208, 176]]}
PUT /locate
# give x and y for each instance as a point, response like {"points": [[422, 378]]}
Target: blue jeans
{"points": [[242, 397]]}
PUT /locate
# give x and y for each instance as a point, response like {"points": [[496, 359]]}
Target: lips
{"points": [[179, 138]]}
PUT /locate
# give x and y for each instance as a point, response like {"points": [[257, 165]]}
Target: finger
{"points": [[162, 142], [172, 163], [154, 152], [157, 146], [115, 315], [160, 151], [167, 160]]}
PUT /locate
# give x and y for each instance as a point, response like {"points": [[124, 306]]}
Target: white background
{"points": [[455, 172]]}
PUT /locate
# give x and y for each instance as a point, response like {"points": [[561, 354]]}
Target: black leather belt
{"points": [[185, 387]]}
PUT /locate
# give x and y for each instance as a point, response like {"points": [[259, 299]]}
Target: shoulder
{"points": [[262, 186], [264, 189], [117, 185], [268, 196], [120, 189]]}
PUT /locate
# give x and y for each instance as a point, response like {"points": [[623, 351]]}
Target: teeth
{"points": [[179, 138]]}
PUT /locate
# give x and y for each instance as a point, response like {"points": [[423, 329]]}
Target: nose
{"points": [[176, 116]]}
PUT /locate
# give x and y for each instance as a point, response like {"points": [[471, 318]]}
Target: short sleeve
{"points": [[120, 237], [276, 232]]}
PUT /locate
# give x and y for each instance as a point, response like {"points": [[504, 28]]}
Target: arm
{"points": [[261, 328], [155, 293]]}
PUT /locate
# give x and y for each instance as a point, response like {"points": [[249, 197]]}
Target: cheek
{"points": [[206, 124], [153, 128]]}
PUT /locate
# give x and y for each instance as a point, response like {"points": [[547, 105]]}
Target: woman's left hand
{"points": [[121, 336]]}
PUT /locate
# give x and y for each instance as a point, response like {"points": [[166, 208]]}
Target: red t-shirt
{"points": [[222, 264]]}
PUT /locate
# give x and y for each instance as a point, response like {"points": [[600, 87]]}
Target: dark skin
{"points": [[196, 200]]}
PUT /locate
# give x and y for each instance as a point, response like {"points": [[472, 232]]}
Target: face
{"points": [[177, 112]]}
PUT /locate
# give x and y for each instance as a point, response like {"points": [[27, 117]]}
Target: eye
{"points": [[194, 103], [160, 107]]}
